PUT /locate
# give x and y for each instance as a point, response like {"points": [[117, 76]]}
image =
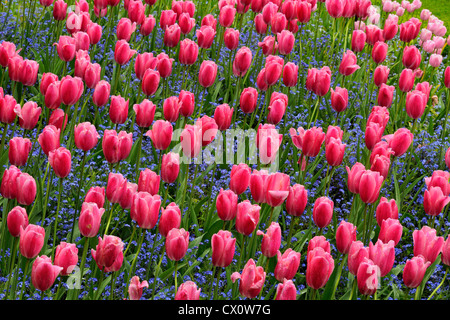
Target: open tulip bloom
{"points": [[237, 149]]}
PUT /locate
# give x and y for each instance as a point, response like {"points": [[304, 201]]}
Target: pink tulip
{"points": [[271, 241], [31, 240], [427, 244], [44, 273], [145, 209], [108, 253], [170, 167], [149, 182], [319, 267], [60, 160], [66, 257], [136, 288], [247, 217], [287, 264], [345, 235], [223, 247], [391, 230], [17, 218], [19, 149], [251, 280], [177, 242]]}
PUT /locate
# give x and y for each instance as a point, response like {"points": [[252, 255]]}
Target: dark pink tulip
{"points": [[356, 255], [406, 80], [86, 136], [60, 160], [240, 178], [172, 35], [268, 140], [319, 267], [383, 255], [207, 73], [427, 244], [271, 241], [8, 108], [167, 19], [118, 109], [278, 22], [127, 193], [439, 179], [290, 74], [445, 254], [276, 189], [170, 218], [94, 31], [400, 141], [161, 134], [379, 115], [411, 58], [319, 241], [108, 253], [44, 273], [268, 46], [46, 80], [367, 277], [66, 48], [19, 148], [358, 40], [226, 16], [323, 211], [171, 108], [191, 139], [334, 8], [145, 113], [209, 20], [209, 129], [339, 99], [242, 61], [251, 280], [385, 95], [374, 34], [223, 115], [14, 68], [31, 240], [380, 75], [381, 164], [28, 114], [297, 200], [277, 109], [116, 147], [186, 100], [82, 60], [345, 235], [147, 25], [425, 87], [101, 93], [59, 10], [170, 167], [447, 77], [188, 52], [96, 195], [334, 152], [287, 264], [369, 186], [354, 177], [122, 52], [434, 201], [416, 102], [312, 141], [28, 72], [17, 218], [82, 41], [247, 217], [257, 185], [136, 288], [26, 189], [148, 182], [304, 11], [145, 209], [66, 257], [260, 25], [164, 65], [114, 187], [143, 62], [49, 139], [150, 82], [186, 23], [348, 63], [188, 291], [414, 271], [379, 52], [409, 30], [177, 242], [90, 218], [7, 51], [318, 80], [391, 230], [333, 132], [136, 11], [390, 28], [205, 36], [231, 38], [223, 247], [268, 11], [286, 291], [70, 90], [92, 75], [386, 209]]}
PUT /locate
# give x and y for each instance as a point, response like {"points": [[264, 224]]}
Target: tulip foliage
{"points": [[237, 149]]}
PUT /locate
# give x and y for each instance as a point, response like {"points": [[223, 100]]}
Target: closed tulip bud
{"points": [[367, 277], [434, 201], [414, 271], [150, 82], [49, 139], [296, 200], [147, 25], [411, 57], [226, 16], [248, 99], [406, 80], [109, 253], [290, 74], [345, 235], [277, 108], [122, 52], [251, 280], [8, 109], [170, 218], [260, 25], [66, 48], [31, 240], [96, 195], [188, 291], [191, 140], [319, 80], [435, 60], [28, 72], [127, 193], [380, 75], [186, 23], [416, 102], [66, 257], [44, 273], [164, 65], [356, 255], [187, 103], [319, 267], [354, 177], [240, 178], [170, 167], [94, 30], [339, 99], [223, 115], [287, 264], [271, 241], [118, 110], [167, 19], [161, 134], [247, 217], [312, 141], [323, 211], [145, 209], [101, 93], [172, 35], [358, 40], [136, 288], [379, 52], [369, 186], [391, 27], [14, 68], [86, 136], [391, 230], [116, 147], [100, 13], [334, 8], [286, 41], [188, 52], [209, 20], [381, 164], [386, 209], [149, 182], [348, 64], [19, 149], [205, 37], [231, 38], [207, 73], [136, 11], [145, 113], [223, 247], [177, 242], [400, 141], [385, 95], [143, 62], [334, 152], [383, 255], [70, 90], [124, 29], [268, 11], [276, 189], [90, 218], [26, 189], [17, 218], [60, 159], [257, 185], [242, 61], [114, 187], [427, 244]]}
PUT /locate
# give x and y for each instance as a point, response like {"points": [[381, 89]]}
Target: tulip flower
{"points": [[108, 253], [251, 280], [287, 264], [44, 273], [136, 288], [271, 241], [223, 247], [177, 242], [247, 217], [414, 271], [31, 240], [319, 267], [17, 218], [66, 257], [427, 244]]}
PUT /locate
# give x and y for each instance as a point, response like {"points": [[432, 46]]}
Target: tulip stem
{"points": [[157, 272], [56, 216], [365, 224], [13, 257], [291, 230], [83, 261], [109, 219], [133, 264], [440, 285], [24, 277], [175, 277], [77, 200], [212, 281]]}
